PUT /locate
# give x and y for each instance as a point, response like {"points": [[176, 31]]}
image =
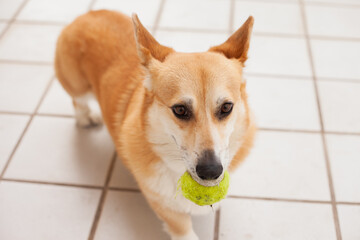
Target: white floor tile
{"points": [[55, 150], [11, 127], [21, 86], [2, 27], [336, 59], [340, 104], [344, 155], [283, 165], [356, 2], [190, 41], [283, 103], [259, 220], [57, 101], [349, 217], [282, 1], [124, 212], [8, 8], [29, 42], [46, 212], [284, 56], [53, 10], [333, 21], [196, 14], [122, 178], [270, 16], [146, 10], [204, 225]]}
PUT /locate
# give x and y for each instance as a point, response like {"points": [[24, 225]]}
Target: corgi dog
{"points": [[167, 112]]}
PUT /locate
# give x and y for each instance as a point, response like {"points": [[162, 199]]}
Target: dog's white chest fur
{"points": [[165, 184]]}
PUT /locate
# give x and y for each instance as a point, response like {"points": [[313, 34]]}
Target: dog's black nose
{"points": [[209, 166], [209, 172]]}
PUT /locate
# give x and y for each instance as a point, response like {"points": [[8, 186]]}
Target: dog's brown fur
{"points": [[98, 53]]}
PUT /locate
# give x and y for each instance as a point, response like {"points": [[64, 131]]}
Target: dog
{"points": [[167, 112]]}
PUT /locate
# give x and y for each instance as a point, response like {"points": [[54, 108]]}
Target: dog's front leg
{"points": [[177, 224]]}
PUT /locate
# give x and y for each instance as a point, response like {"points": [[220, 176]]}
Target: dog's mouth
{"points": [[207, 183]]}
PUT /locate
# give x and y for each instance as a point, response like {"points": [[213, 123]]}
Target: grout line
{"points": [[37, 114], [158, 17], [349, 203], [295, 77], [15, 148], [260, 34], [54, 115], [290, 77], [290, 200], [269, 1], [288, 130], [232, 16], [331, 4], [15, 113], [50, 183], [102, 198], [91, 5], [221, 31], [120, 189], [308, 131], [8, 61], [37, 22], [326, 4], [325, 149], [343, 133], [217, 224], [278, 35], [339, 80], [334, 38], [279, 199], [138, 191], [20, 8], [26, 127]]}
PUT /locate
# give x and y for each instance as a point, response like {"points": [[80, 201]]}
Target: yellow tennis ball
{"points": [[202, 195]]}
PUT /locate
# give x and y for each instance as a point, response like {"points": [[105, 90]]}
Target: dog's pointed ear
{"points": [[237, 45], [147, 46]]}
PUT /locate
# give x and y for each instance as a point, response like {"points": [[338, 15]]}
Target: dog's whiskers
{"points": [[180, 147]]}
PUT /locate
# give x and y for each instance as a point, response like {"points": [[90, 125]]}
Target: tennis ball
{"points": [[202, 195]]}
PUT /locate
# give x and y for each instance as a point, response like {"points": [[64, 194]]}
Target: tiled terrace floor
{"points": [[301, 181]]}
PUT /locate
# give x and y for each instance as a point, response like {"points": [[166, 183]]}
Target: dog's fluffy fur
{"points": [[136, 82]]}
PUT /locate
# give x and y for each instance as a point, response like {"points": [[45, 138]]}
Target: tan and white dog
{"points": [[167, 112]]}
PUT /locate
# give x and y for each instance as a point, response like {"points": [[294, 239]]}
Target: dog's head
{"points": [[199, 110]]}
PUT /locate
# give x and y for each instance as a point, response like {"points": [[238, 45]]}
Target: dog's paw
{"points": [[91, 119]]}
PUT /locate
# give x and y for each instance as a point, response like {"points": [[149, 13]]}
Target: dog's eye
{"points": [[180, 111], [226, 107], [225, 110]]}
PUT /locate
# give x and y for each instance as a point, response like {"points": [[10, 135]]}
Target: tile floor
{"points": [[301, 180]]}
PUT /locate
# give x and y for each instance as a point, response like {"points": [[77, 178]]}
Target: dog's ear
{"points": [[147, 46], [237, 45]]}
